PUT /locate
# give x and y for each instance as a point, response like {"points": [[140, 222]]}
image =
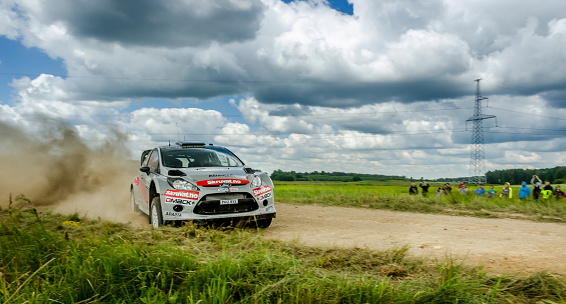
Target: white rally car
{"points": [[198, 182]]}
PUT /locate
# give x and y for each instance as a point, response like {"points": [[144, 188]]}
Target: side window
{"points": [[145, 157], [226, 161], [153, 163], [223, 160]]}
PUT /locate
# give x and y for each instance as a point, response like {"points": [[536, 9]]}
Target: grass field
{"points": [[49, 258], [394, 196]]}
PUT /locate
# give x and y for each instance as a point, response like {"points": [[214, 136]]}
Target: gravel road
{"points": [[500, 245]]}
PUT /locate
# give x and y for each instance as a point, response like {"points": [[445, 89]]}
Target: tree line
{"points": [[279, 175], [556, 175]]}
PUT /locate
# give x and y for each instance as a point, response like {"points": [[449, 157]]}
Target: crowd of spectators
{"points": [[538, 191]]}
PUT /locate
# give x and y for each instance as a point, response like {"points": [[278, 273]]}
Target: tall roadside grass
{"points": [[49, 258], [396, 197]]}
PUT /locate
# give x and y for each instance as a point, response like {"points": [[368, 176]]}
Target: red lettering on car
{"points": [[261, 190], [215, 182], [192, 195]]}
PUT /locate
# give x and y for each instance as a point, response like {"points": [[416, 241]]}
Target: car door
{"points": [[152, 162]]}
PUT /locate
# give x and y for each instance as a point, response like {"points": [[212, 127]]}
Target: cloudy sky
{"points": [[368, 86]]}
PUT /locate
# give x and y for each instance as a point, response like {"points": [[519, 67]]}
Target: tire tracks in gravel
{"points": [[501, 246]]}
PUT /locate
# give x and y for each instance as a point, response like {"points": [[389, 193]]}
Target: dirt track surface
{"points": [[500, 245]]}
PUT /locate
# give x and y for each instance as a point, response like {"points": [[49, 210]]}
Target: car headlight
{"points": [[256, 182], [181, 184]]}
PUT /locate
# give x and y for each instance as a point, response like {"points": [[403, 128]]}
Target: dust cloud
{"points": [[58, 171]]}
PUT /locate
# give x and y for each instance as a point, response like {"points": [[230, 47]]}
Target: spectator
{"points": [[414, 190], [439, 192], [547, 186], [462, 184], [536, 186], [424, 186], [507, 191], [480, 191], [464, 189], [447, 189], [524, 191], [546, 194], [558, 193], [491, 192]]}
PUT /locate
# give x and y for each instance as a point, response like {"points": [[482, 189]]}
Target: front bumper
{"points": [[214, 205]]}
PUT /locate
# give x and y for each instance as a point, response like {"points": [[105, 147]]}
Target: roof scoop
{"points": [[190, 144]]}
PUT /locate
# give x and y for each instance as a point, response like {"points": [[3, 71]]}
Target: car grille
{"points": [[210, 204]]}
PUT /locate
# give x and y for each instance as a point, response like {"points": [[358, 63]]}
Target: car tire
{"points": [[155, 215], [264, 223], [135, 207]]}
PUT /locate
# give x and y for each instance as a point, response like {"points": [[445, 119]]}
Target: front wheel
{"points": [[155, 215], [264, 223]]}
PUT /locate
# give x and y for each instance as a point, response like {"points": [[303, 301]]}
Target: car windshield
{"points": [[195, 157]]}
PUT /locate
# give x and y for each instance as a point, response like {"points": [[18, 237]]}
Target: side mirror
{"points": [[144, 169]]}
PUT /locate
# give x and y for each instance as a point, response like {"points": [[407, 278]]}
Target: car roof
{"points": [[191, 145], [184, 145]]}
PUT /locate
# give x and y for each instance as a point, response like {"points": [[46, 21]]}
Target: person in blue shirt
{"points": [[524, 191], [480, 191]]}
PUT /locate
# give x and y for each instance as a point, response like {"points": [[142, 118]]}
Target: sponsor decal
{"points": [[219, 175], [175, 214], [216, 182], [178, 201], [142, 188], [261, 190], [227, 189], [266, 196], [192, 195]]}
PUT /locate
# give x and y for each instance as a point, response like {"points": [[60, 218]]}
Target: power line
{"points": [[477, 155], [529, 114]]}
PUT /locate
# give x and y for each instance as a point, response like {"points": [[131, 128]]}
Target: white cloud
{"points": [[387, 89], [283, 52]]}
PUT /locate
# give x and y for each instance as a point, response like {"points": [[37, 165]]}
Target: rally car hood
{"points": [[216, 176]]}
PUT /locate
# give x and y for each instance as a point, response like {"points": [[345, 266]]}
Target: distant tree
{"points": [[279, 175], [516, 176]]}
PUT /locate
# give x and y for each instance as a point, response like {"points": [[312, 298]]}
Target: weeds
{"points": [[394, 197], [114, 263]]}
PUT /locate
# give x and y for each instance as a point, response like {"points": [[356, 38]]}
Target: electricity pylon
{"points": [[477, 155]]}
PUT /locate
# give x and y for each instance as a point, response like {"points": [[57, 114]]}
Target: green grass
{"points": [[50, 258], [394, 196]]}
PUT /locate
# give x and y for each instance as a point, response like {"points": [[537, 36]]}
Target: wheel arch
{"points": [[152, 191]]}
